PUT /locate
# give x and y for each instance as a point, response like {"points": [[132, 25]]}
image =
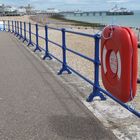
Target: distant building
{"points": [[29, 10], [9, 9], [6, 10], [2, 9], [48, 12], [22, 10], [52, 11]]}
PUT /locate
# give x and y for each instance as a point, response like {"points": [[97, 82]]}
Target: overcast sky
{"points": [[76, 4]]}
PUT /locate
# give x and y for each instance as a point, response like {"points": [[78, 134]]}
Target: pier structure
{"points": [[88, 13], [99, 13], [46, 13]]}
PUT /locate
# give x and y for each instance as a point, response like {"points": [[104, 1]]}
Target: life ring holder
{"points": [[107, 38], [111, 34]]}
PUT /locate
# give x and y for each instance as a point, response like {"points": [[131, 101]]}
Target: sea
{"points": [[122, 20]]}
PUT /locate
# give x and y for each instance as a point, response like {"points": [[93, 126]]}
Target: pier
{"points": [[97, 13], [93, 13]]}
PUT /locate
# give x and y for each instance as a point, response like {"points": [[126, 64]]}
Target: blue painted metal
{"points": [[56, 44], [8, 26], [30, 37], [17, 29], [56, 58], [82, 34], [46, 42], [81, 76], [130, 109], [64, 65], [79, 54], [37, 44], [34, 34], [39, 47], [24, 32], [96, 91], [20, 36], [54, 28], [12, 26], [41, 37], [4, 29]]}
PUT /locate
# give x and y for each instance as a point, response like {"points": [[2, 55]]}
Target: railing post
{"points": [[8, 26], [47, 55], [30, 37], [64, 65], [96, 92], [24, 32], [15, 28], [20, 30], [12, 26], [4, 26], [37, 44]]}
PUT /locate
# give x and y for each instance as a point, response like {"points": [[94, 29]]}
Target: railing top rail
{"points": [[83, 34], [60, 29]]}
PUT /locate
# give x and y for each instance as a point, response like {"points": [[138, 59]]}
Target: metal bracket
{"points": [[37, 49], [63, 69], [30, 43], [47, 56], [96, 93]]}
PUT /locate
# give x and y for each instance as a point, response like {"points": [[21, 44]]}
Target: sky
{"points": [[91, 5]]}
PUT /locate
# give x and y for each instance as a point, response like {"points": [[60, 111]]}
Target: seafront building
{"points": [[49, 12], [6, 10]]}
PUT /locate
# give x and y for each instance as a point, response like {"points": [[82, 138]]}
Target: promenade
{"points": [[35, 105]]}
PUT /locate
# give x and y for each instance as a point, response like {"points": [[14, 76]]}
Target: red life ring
{"points": [[119, 62]]}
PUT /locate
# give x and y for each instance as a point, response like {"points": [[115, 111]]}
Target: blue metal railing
{"points": [[20, 30]]}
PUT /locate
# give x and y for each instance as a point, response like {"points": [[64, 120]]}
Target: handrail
{"points": [[55, 43], [54, 28], [19, 28], [82, 34], [81, 55]]}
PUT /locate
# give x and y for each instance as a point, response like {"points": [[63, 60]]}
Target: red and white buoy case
{"points": [[119, 60]]}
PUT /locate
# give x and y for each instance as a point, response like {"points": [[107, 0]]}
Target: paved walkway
{"points": [[34, 105]]}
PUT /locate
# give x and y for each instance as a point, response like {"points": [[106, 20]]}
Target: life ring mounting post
{"points": [[96, 92]]}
